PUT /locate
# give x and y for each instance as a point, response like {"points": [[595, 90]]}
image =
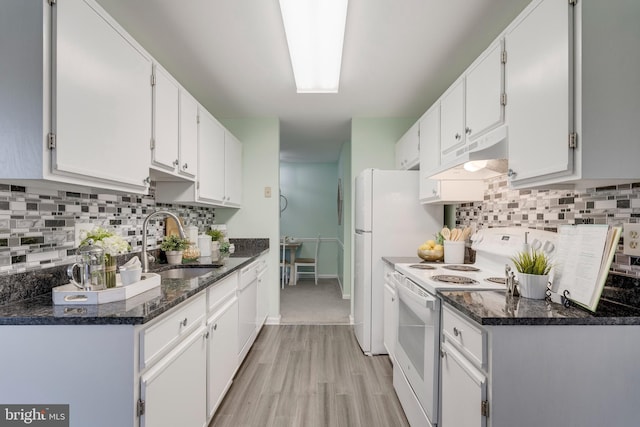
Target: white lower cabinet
{"points": [[174, 389], [247, 308], [222, 359], [464, 388]]}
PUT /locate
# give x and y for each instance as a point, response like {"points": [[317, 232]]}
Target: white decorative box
{"points": [[69, 294]]}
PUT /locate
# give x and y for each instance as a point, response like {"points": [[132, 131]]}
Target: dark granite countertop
{"points": [[493, 308], [140, 309]]}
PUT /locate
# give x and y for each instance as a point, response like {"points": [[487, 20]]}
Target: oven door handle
{"points": [[408, 295]]}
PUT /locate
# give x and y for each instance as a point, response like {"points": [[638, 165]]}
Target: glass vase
{"points": [[110, 271]]}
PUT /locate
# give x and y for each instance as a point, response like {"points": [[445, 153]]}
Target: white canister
{"points": [[192, 233], [454, 251], [204, 244]]}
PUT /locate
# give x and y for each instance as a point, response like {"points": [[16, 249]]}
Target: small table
{"points": [[292, 248]]}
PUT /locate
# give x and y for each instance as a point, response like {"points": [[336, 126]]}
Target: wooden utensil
{"points": [[446, 233], [454, 234]]}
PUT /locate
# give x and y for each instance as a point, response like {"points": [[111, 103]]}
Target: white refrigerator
{"points": [[389, 221]]}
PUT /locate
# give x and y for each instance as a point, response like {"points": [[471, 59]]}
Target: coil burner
{"points": [[458, 280], [455, 267], [499, 280], [422, 266]]}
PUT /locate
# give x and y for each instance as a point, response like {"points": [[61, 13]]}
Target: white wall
{"points": [[259, 215]]}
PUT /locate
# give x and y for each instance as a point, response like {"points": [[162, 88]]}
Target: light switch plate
{"points": [[631, 238], [267, 192]]}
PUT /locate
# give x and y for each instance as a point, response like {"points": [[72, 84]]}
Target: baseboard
{"points": [[273, 320], [351, 319]]}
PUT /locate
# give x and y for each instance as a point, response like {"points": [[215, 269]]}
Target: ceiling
{"points": [[398, 58]]}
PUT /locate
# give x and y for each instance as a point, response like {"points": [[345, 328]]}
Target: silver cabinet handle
{"points": [[147, 180], [183, 322], [176, 162], [457, 332], [185, 166], [467, 130], [458, 136], [215, 327], [511, 173], [206, 335], [443, 354]]}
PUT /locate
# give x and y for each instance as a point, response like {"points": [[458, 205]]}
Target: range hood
{"points": [[484, 157]]}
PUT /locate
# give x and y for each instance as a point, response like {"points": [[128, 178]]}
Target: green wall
{"points": [[344, 229], [311, 192], [258, 216]]}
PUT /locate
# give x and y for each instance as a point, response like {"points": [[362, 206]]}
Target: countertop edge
{"points": [[43, 320]]}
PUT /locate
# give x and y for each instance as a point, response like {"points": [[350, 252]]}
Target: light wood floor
{"points": [[310, 376]]}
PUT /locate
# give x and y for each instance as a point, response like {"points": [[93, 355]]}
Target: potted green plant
{"points": [[219, 245], [173, 246], [533, 273]]}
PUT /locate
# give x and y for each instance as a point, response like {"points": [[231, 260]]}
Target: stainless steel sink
{"points": [[185, 273]]}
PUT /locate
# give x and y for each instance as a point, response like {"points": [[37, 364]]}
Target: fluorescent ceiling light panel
{"points": [[315, 35]]}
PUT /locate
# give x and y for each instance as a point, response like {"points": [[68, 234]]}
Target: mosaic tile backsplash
{"points": [[548, 209], [37, 225]]}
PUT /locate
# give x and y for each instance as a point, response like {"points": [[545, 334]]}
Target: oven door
{"points": [[418, 344]]}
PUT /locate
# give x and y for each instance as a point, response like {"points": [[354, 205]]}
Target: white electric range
{"points": [[416, 373]]}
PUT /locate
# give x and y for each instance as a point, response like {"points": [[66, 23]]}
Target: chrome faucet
{"points": [[145, 256]]}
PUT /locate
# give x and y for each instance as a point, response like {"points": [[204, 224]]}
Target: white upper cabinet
{"points": [[452, 120], [219, 163], [573, 86], [99, 110], [538, 86], [483, 93], [233, 170], [188, 165], [408, 149], [166, 129], [211, 181], [175, 123], [434, 191], [429, 152]]}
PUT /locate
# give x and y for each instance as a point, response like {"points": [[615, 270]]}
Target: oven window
{"points": [[411, 335]]}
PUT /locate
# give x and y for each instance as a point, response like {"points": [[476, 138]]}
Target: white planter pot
{"points": [[533, 286], [174, 257]]}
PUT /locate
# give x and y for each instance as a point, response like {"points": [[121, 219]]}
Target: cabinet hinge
{"points": [[484, 408], [573, 140], [140, 407], [51, 141], [198, 185], [503, 59], [152, 143], [52, 2], [197, 119], [573, 2], [503, 99], [153, 79]]}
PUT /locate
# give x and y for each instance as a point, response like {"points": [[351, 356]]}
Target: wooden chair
{"points": [[307, 263], [285, 266]]}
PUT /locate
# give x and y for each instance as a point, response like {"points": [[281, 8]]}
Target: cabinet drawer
{"points": [[248, 274], [217, 293], [467, 337], [160, 337]]}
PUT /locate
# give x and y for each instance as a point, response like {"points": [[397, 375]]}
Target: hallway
{"points": [[310, 376], [306, 303]]}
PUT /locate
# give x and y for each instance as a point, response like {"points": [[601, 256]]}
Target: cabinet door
{"points": [[211, 158], [222, 360], [188, 135], [102, 105], [408, 148], [539, 95], [233, 170], [484, 87], [263, 298], [174, 389], [390, 311], [452, 118], [429, 152], [165, 120], [464, 388]]}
